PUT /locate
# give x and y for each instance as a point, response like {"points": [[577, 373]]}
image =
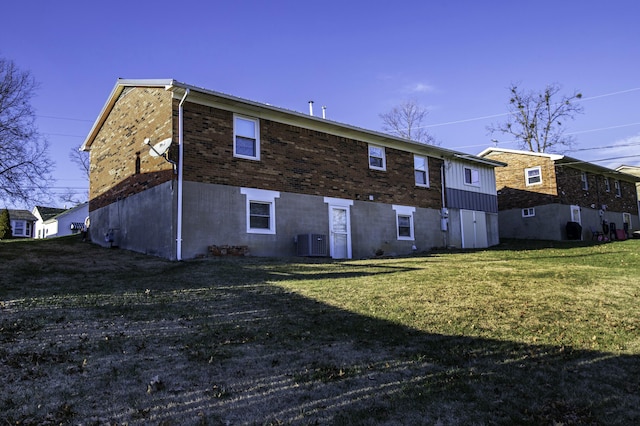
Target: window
{"points": [[421, 170], [585, 182], [533, 176], [529, 212], [18, 228], [246, 138], [626, 218], [260, 210], [607, 185], [471, 176], [376, 158], [616, 186], [404, 222]]}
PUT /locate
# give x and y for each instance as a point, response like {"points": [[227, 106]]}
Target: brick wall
{"points": [[120, 162], [560, 184], [299, 160]]}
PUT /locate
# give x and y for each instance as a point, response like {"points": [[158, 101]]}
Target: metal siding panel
{"points": [[459, 199]]}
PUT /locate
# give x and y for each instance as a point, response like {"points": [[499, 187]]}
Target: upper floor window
{"points": [[616, 185], [607, 185], [471, 176], [584, 180], [421, 170], [246, 137], [533, 176], [376, 158]]}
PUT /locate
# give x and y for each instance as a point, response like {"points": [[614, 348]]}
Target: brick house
{"points": [[539, 193], [242, 174]]}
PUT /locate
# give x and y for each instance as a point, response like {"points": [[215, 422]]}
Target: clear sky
{"points": [[359, 58]]}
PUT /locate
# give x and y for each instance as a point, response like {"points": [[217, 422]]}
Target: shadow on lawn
{"points": [[228, 350]]}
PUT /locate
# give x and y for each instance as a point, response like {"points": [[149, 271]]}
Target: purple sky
{"points": [[457, 58]]}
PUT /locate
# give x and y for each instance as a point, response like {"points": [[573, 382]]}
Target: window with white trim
{"points": [[404, 222], [260, 210], [246, 137], [421, 170], [20, 228], [607, 184], [377, 159], [471, 176], [533, 176], [626, 218], [616, 186], [529, 212], [585, 181]]}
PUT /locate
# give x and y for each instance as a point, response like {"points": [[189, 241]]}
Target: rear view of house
{"points": [[177, 170], [539, 194]]}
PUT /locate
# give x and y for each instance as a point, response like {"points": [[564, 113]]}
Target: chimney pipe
{"points": [[311, 108], [324, 111]]}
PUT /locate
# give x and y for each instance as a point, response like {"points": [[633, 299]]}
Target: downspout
{"points": [[180, 174], [443, 219]]}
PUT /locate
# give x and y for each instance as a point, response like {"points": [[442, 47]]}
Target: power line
{"points": [[64, 118]]}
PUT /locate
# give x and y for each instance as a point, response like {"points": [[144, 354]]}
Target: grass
{"points": [[525, 333]]}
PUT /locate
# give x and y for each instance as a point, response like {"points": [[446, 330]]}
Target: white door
{"points": [[340, 240], [575, 214], [474, 229]]}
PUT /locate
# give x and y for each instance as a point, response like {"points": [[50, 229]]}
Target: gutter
{"points": [[180, 173]]}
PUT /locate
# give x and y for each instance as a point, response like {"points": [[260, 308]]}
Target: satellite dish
{"points": [[160, 148]]}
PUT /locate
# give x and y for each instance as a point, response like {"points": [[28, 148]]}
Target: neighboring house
{"points": [[178, 170], [65, 222], [635, 171], [22, 223], [539, 193], [43, 214]]}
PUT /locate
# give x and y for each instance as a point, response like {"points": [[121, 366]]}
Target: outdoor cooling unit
{"points": [[312, 245]]}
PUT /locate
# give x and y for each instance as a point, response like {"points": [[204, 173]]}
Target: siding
{"points": [[458, 199]]}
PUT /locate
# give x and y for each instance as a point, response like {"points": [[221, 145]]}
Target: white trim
{"points": [[383, 157], [256, 123], [530, 212], [341, 204], [425, 171], [527, 177], [404, 211], [261, 196], [474, 173]]}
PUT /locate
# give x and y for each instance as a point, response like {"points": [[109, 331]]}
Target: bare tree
{"points": [[407, 121], [80, 159], [537, 119], [24, 163]]}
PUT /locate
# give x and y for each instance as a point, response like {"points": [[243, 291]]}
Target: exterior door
{"points": [[340, 240], [575, 214], [474, 229]]}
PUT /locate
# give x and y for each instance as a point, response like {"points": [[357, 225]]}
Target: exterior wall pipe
{"points": [[180, 173]]}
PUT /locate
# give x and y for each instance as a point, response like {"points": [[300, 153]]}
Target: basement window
{"points": [[404, 222], [260, 210], [529, 212]]}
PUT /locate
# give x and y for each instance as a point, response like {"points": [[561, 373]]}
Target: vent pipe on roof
{"points": [[324, 111], [311, 108]]}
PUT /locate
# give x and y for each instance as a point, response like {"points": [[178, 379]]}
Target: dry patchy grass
{"points": [[514, 335]]}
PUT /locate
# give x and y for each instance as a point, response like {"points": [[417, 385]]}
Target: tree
{"points": [[406, 121], [80, 159], [24, 163], [537, 119], [5, 225]]}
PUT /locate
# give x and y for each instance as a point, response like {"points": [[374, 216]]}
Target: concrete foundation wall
{"points": [[550, 221], [216, 215], [141, 222]]}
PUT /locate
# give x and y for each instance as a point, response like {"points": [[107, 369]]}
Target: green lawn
{"points": [[524, 333]]}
